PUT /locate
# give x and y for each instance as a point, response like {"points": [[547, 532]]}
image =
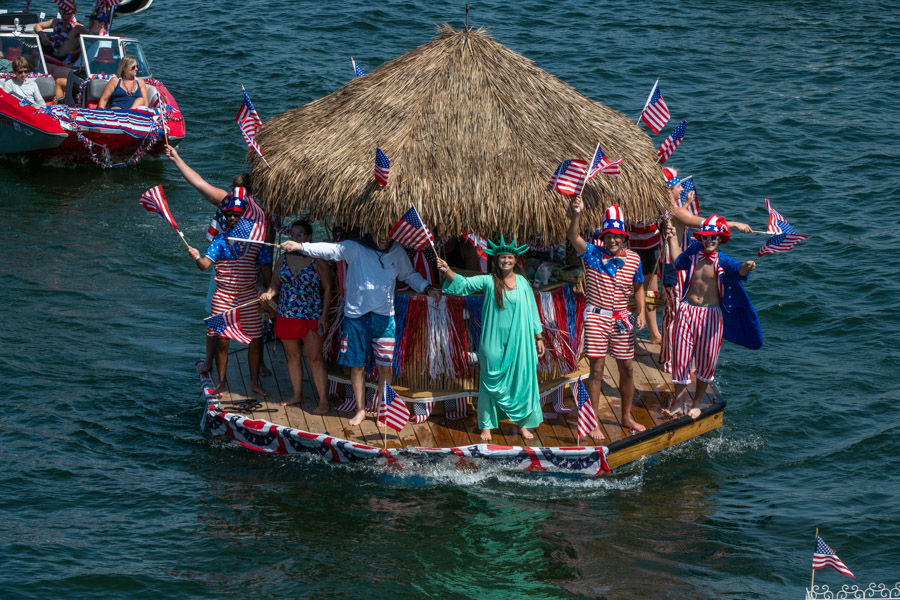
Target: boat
{"points": [[78, 130]]}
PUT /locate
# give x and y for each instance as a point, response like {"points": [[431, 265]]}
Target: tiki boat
{"points": [[78, 130], [474, 131]]}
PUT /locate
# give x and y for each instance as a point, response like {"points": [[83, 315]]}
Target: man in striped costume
{"points": [[237, 273], [612, 274], [709, 274]]}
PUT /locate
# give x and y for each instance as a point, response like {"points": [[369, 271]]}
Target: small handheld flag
{"points": [[154, 200], [600, 164], [411, 231], [687, 186], [824, 556], [668, 147], [569, 177], [393, 411], [655, 114], [228, 324], [356, 68], [587, 419], [382, 167], [785, 237], [249, 122]]}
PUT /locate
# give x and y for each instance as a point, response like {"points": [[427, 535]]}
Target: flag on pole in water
{"points": [[228, 324], [569, 177], [154, 200], [600, 164], [382, 169], [655, 114], [824, 556], [411, 231], [687, 186], [785, 237], [356, 68], [587, 420], [666, 149], [393, 411], [249, 122]]}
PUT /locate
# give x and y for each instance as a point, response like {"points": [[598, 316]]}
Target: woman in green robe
{"points": [[511, 340]]}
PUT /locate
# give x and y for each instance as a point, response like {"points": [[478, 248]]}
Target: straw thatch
{"points": [[473, 131]]}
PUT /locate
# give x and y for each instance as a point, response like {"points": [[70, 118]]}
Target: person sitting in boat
{"points": [[125, 91], [511, 340], [237, 268], [63, 38], [65, 85], [612, 273], [374, 263], [711, 278], [21, 87], [303, 287]]}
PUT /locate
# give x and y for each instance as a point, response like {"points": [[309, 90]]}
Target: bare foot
{"points": [[293, 400], [202, 366], [690, 410], [220, 389], [655, 339], [358, 418], [597, 435], [633, 425], [674, 411], [322, 408], [527, 435], [485, 435], [258, 389]]}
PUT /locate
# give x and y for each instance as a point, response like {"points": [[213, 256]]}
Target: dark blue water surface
{"points": [[109, 490]]}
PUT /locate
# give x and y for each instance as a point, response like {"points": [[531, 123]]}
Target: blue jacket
{"points": [[739, 318]]}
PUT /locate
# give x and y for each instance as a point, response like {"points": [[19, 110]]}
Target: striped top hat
{"points": [[238, 201], [671, 176], [613, 221], [714, 225]]}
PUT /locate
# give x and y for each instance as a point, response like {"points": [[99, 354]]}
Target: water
{"points": [[110, 491]]}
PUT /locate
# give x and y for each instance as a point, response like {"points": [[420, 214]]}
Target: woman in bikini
{"points": [[303, 286], [126, 90]]}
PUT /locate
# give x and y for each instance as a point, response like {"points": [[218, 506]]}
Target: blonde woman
{"points": [[126, 90]]}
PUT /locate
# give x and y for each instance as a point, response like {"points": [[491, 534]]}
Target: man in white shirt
{"points": [[373, 267], [21, 87]]}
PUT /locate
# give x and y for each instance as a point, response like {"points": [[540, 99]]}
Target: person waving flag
{"points": [[668, 147], [392, 411], [655, 114], [569, 177], [785, 237], [411, 231], [382, 169], [249, 122]]}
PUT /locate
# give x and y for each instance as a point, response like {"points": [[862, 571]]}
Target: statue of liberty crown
{"points": [[504, 248]]}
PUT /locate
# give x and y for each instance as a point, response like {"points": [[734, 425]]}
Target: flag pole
{"points": [[249, 241], [384, 432], [638, 122], [243, 89], [182, 239], [233, 308], [813, 580]]}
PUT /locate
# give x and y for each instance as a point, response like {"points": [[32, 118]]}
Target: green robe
{"points": [[507, 356]]}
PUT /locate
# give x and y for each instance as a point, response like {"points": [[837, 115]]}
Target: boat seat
{"points": [[95, 90], [46, 86]]}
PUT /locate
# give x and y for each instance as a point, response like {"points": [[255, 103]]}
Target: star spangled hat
{"points": [[503, 247], [671, 176], [613, 221], [238, 201], [714, 225]]}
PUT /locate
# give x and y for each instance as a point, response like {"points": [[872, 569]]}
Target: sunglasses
{"points": [[22, 71], [711, 238]]}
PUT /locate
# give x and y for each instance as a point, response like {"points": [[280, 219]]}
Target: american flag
{"points": [[824, 556], [249, 122], [569, 177], [456, 409], [411, 231], [228, 324], [382, 167], [67, 6], [480, 244], [421, 411], [393, 411], [252, 212], [785, 237], [245, 229], [687, 185], [601, 164], [668, 147], [356, 68], [655, 114], [154, 200], [587, 420]]}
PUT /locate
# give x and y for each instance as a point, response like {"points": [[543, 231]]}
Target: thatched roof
{"points": [[473, 131]]}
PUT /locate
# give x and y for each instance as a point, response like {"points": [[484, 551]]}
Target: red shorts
{"points": [[294, 329]]}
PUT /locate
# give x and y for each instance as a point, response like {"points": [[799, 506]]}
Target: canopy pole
{"points": [[467, 17]]}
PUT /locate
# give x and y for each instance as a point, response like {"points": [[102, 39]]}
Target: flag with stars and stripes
{"points": [[228, 324], [666, 149], [411, 231], [655, 114], [569, 177], [687, 186], [824, 556], [67, 6], [382, 170], [357, 70], [785, 237], [154, 200], [249, 122], [421, 411], [252, 212], [456, 409], [600, 164], [587, 420], [393, 411]]}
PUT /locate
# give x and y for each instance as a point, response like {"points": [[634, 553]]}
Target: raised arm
{"points": [[695, 221], [576, 207], [213, 194]]}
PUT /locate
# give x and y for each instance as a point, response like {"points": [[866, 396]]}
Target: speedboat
{"points": [[77, 130]]}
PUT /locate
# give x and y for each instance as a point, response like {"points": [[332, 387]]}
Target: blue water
{"points": [[110, 491]]}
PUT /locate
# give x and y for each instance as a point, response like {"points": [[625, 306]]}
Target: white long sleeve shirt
{"points": [[369, 283], [27, 91]]}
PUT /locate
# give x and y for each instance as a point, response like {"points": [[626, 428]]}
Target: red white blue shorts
{"points": [[698, 336], [369, 332], [601, 338]]}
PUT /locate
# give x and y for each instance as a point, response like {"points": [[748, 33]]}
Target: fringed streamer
{"points": [[440, 339], [567, 350], [569, 296], [415, 318], [475, 305], [580, 307], [401, 303], [553, 361], [459, 351], [332, 343]]}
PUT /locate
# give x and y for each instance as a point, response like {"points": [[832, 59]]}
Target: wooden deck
{"points": [[653, 388]]}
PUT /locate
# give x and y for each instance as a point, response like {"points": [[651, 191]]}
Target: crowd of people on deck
{"points": [[697, 278]]}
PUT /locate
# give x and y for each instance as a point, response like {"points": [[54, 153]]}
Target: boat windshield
{"points": [[133, 48], [14, 46], [102, 52]]}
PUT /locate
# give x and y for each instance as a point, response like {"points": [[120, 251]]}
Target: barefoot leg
{"points": [[694, 410], [485, 435], [525, 433], [254, 357], [312, 344], [626, 388], [677, 405], [221, 353], [358, 381], [295, 370]]}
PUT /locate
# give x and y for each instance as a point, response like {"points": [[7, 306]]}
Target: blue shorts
{"points": [[369, 332]]}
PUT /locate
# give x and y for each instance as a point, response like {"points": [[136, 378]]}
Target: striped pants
{"points": [[698, 336], [601, 337]]}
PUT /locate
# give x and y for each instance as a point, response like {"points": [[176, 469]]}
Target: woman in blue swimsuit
{"points": [[126, 90]]}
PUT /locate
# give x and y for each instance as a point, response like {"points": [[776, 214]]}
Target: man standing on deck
{"points": [[373, 267], [612, 273]]}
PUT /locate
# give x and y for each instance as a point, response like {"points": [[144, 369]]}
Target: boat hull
{"points": [[24, 130]]}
